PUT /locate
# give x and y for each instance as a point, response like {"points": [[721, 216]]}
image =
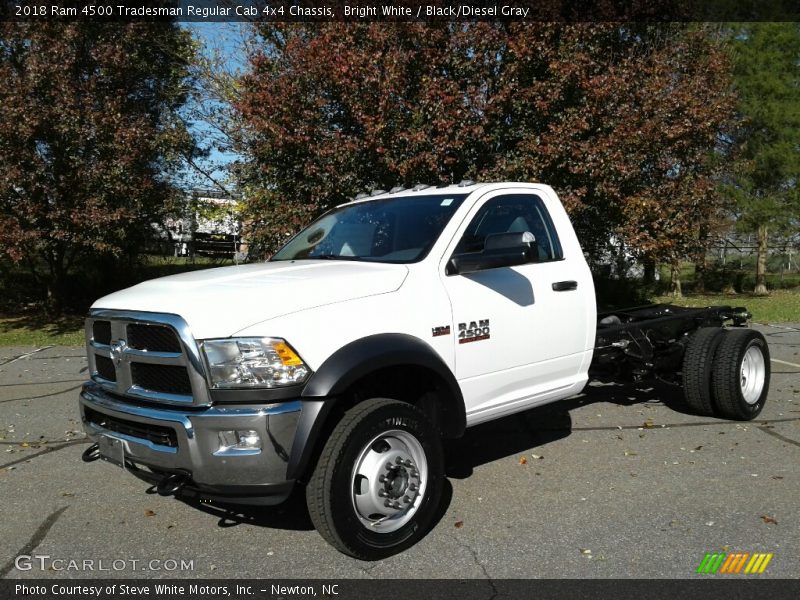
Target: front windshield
{"points": [[396, 230]]}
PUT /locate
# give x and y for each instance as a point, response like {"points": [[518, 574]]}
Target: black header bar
{"points": [[700, 588], [567, 11]]}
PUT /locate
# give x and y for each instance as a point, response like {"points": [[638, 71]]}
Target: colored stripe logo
{"points": [[739, 562]]}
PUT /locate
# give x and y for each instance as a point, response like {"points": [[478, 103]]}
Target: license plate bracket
{"points": [[112, 449]]}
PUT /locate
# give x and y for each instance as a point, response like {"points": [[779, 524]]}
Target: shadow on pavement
{"points": [[527, 430], [480, 445], [291, 515]]}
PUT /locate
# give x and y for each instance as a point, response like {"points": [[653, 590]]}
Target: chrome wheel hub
{"points": [[389, 480], [753, 373]]}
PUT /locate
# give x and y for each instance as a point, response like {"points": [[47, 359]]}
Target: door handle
{"points": [[565, 286]]}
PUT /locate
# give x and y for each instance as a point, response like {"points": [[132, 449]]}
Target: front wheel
{"points": [[377, 484]]}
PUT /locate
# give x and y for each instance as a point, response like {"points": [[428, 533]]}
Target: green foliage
{"points": [[763, 183], [620, 120], [766, 72], [89, 136]]}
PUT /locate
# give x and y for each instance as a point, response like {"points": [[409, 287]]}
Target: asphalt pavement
{"points": [[617, 482]]}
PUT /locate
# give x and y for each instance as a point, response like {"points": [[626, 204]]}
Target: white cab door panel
{"points": [[519, 332]]}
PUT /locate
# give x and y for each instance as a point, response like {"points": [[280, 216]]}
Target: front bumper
{"points": [[186, 442]]}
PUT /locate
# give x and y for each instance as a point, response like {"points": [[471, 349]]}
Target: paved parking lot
{"points": [[618, 482]]}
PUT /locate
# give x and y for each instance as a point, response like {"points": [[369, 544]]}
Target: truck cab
{"points": [[390, 323]]}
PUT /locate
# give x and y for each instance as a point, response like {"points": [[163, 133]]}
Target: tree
{"points": [[764, 183], [619, 119], [215, 72], [89, 136]]}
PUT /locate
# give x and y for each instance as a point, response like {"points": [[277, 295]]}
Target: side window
{"points": [[513, 214]]}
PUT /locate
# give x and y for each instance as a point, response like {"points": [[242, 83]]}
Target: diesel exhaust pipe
{"points": [[171, 484], [91, 454]]}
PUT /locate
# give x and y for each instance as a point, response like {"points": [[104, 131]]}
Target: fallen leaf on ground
{"points": [[698, 448], [585, 551], [459, 524], [537, 456], [777, 477], [769, 520], [630, 453], [523, 460], [648, 424], [149, 513]]}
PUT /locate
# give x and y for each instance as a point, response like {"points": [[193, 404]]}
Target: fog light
{"points": [[239, 440]]}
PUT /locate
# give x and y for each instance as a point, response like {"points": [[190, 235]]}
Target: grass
{"points": [[39, 330], [779, 306]]}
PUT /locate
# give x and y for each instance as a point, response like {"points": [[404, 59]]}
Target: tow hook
{"points": [[91, 454], [171, 484]]}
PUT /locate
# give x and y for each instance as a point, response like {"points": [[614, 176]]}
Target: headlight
{"points": [[253, 363]]}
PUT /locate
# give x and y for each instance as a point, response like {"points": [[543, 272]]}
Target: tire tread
{"points": [[727, 390], [320, 484], [697, 369]]}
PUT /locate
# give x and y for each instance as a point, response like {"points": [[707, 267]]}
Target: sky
{"points": [[225, 39]]}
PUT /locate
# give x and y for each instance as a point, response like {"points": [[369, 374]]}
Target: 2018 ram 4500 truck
{"points": [[388, 324]]}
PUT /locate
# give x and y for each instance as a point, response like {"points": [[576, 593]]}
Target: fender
{"points": [[354, 361]]}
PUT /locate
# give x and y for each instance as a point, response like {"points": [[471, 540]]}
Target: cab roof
{"points": [[464, 188]]}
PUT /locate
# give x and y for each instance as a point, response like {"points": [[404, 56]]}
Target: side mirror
{"points": [[499, 250]]}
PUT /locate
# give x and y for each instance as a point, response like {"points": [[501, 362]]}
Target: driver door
{"points": [[518, 337]]}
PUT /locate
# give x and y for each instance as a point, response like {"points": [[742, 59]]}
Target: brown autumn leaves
{"points": [[622, 120]]}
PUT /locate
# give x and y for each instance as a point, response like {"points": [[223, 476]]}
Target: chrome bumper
{"points": [[195, 452]]}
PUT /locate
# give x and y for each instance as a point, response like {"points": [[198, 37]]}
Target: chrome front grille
{"points": [[168, 379], [105, 368], [155, 338], [101, 332], [145, 356]]}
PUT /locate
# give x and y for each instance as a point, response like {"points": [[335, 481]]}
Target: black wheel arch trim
{"points": [[356, 360], [361, 357], [309, 427]]}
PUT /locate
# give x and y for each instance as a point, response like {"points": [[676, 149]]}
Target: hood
{"points": [[220, 302]]}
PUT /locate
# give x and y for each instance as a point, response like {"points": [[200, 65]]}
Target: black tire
{"points": [[698, 365], [741, 388], [331, 491]]}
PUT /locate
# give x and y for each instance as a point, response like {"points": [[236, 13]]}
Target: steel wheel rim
{"points": [[391, 469], [752, 374]]}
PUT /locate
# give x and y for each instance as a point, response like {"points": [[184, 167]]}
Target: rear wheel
{"points": [[377, 484], [698, 364], [741, 374]]}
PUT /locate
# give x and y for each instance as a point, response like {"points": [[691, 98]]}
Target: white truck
{"points": [[390, 323]]}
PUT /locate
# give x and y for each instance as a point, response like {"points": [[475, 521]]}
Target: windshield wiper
{"points": [[333, 257]]}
